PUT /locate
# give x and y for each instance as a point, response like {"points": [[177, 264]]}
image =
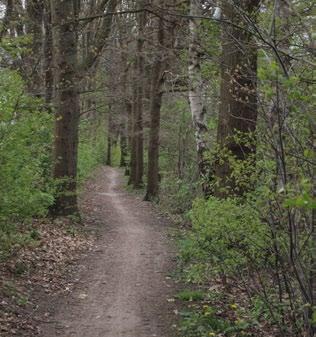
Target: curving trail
{"points": [[123, 285]]}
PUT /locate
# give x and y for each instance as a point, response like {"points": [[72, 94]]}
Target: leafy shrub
{"points": [[190, 295], [25, 142], [207, 322], [177, 194], [25, 160], [226, 235]]}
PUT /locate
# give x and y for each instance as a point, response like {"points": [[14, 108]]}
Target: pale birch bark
{"points": [[197, 106]]}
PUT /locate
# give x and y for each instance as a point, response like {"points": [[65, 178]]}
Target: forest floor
{"points": [[121, 284]]}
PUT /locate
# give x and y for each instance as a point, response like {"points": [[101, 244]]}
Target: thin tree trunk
{"points": [[123, 147], [123, 138], [67, 106], [109, 145], [197, 106], [109, 152], [129, 136], [238, 95]]}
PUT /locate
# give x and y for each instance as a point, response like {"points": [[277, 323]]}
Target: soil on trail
{"points": [[122, 287]]}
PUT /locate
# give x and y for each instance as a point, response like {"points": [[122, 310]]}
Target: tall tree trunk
{"points": [[66, 105], [126, 111], [35, 12], [155, 106], [123, 139], [132, 134], [140, 103], [129, 136], [137, 154], [238, 94], [197, 106], [48, 56]]}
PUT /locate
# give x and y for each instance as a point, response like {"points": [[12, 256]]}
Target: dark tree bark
{"points": [[67, 74], [48, 56], [109, 141], [155, 106], [123, 141], [129, 137], [35, 12], [137, 152], [238, 93], [66, 105], [132, 136]]}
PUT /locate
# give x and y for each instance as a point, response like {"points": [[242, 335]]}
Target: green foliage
{"points": [[25, 147], [116, 155], [25, 142], [190, 295], [91, 152], [207, 322], [226, 235], [179, 185], [16, 46], [9, 289], [179, 194], [11, 238]]}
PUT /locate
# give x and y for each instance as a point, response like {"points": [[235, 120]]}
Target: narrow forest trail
{"points": [[123, 285]]}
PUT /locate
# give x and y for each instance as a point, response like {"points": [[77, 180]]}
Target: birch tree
{"points": [[196, 87]]}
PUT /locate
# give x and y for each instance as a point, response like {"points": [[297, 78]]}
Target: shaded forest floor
{"points": [[110, 277]]}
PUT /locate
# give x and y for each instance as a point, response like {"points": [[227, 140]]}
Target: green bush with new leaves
{"points": [[25, 155], [91, 147], [226, 235]]}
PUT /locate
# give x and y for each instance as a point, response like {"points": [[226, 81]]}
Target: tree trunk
{"points": [[155, 106], [132, 136], [129, 136], [197, 106], [123, 135], [238, 95], [137, 154], [123, 146], [66, 105], [48, 56], [11, 22], [109, 145], [7, 20], [35, 12]]}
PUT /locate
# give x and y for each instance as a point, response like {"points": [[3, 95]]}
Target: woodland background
{"points": [[209, 107]]}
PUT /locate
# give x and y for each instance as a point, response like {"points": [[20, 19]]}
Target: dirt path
{"points": [[123, 285]]}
